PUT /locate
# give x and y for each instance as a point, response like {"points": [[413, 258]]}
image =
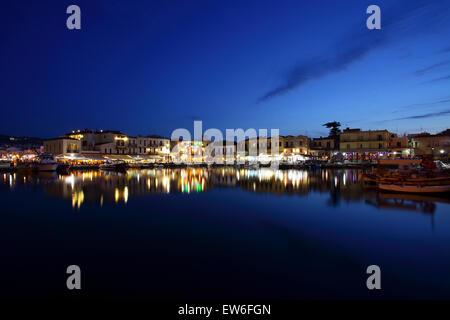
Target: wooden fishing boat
{"points": [[414, 188], [25, 167], [80, 167], [441, 180], [409, 172], [6, 165], [253, 166], [115, 166], [63, 168], [46, 162], [399, 162], [370, 178]]}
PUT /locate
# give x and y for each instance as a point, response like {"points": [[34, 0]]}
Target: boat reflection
{"points": [[407, 202], [100, 187], [413, 202]]}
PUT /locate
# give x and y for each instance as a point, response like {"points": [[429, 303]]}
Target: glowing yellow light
{"points": [[125, 194], [70, 180], [76, 136], [77, 199]]}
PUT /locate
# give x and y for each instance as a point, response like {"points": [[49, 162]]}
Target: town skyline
{"points": [[168, 136], [294, 132]]}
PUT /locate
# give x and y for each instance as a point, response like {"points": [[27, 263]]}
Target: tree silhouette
{"points": [[334, 128]]}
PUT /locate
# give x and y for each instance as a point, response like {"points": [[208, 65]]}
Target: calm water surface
{"points": [[219, 233]]}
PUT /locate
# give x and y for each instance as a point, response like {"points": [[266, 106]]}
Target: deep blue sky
{"points": [[152, 66]]}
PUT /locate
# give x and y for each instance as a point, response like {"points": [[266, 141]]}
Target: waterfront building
{"points": [[295, 145], [436, 145], [288, 145], [196, 151], [256, 149], [112, 142], [323, 147], [187, 151], [118, 146], [227, 150], [399, 146], [92, 139], [290, 148], [355, 144], [95, 142], [62, 146], [358, 144], [150, 145]]}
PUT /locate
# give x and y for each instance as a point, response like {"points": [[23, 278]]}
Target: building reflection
{"points": [[99, 188]]}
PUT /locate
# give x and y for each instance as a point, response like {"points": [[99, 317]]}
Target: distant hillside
{"points": [[20, 141]]}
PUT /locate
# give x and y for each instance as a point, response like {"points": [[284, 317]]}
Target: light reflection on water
{"points": [[98, 187], [183, 233]]}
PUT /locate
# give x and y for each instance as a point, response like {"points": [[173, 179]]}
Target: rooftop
{"points": [[61, 138]]}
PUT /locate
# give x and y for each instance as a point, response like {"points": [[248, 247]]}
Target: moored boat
{"points": [[81, 167], [252, 166], [370, 178], [46, 163], [63, 168], [6, 165], [399, 162], [411, 175], [404, 179], [114, 166], [417, 188], [25, 167]]}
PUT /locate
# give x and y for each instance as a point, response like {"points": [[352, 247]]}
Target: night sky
{"points": [[149, 67]]}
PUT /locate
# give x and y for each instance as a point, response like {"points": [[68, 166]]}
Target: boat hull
{"points": [[6, 166], [400, 180], [414, 188], [114, 167], [47, 166]]}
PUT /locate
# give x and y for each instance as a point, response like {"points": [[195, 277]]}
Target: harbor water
{"points": [[219, 233]]}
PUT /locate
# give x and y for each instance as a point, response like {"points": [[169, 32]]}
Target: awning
{"points": [[118, 157], [148, 156], [95, 157], [70, 157]]}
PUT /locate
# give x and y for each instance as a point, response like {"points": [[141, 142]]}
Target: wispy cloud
{"points": [[414, 117], [398, 22], [424, 116], [321, 67], [421, 105], [438, 79], [431, 68]]}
